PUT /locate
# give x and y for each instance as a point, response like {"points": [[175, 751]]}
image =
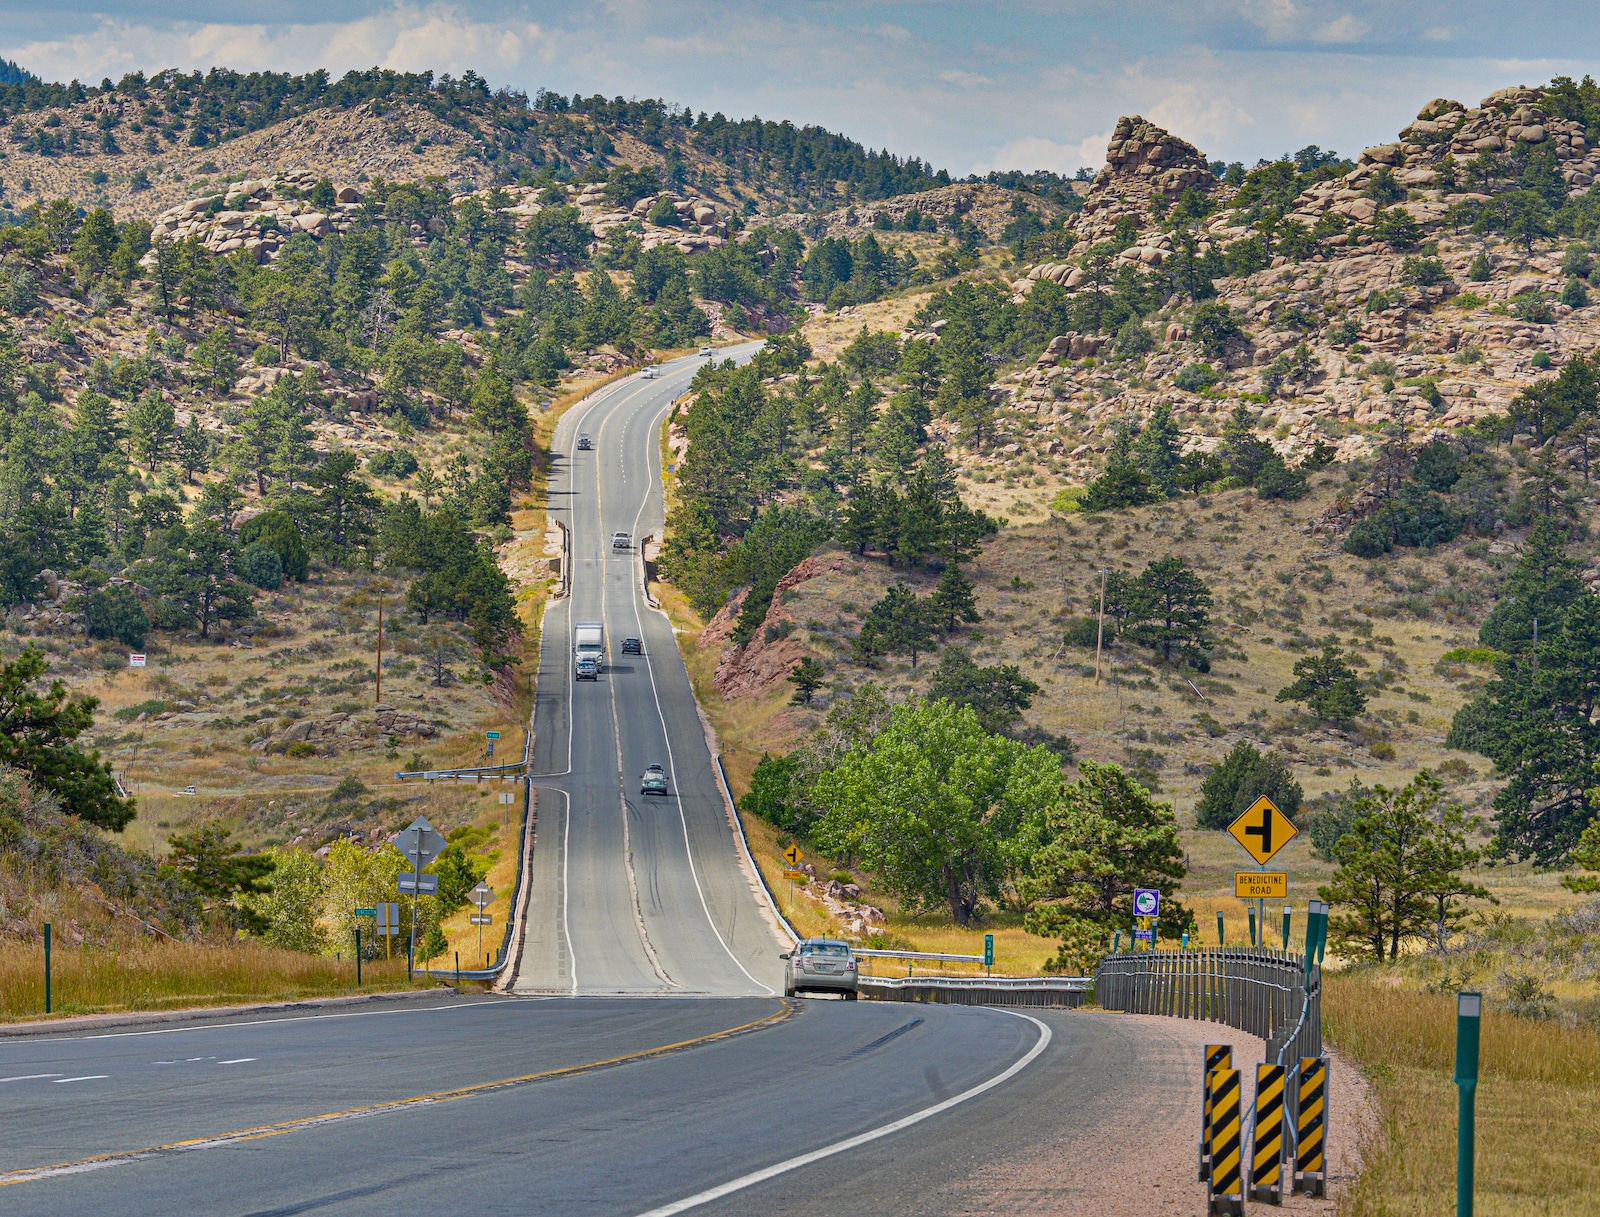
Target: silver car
{"points": [[821, 965]]}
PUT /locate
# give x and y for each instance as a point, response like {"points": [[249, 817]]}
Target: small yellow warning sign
{"points": [[1263, 830], [792, 855]]}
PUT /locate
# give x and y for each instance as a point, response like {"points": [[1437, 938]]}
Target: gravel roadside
{"points": [[1143, 1146]]}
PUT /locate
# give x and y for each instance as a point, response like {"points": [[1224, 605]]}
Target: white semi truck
{"points": [[588, 649]]}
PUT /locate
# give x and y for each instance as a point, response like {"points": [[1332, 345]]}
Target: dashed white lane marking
{"points": [[88, 1077], [238, 1060], [28, 1077]]}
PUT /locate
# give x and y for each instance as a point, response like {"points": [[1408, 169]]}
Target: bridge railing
{"points": [[1263, 993], [1056, 991]]}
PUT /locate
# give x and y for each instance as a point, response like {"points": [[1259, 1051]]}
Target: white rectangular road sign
{"points": [[136, 660], [480, 918], [420, 885]]}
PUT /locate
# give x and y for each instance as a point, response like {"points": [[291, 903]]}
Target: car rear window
{"points": [[835, 950]]}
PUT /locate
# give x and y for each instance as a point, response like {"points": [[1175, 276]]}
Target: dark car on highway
{"points": [[632, 646]]}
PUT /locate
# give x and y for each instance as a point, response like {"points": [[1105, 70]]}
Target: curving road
{"points": [[572, 1096]]}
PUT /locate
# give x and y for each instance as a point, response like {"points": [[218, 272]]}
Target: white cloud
{"points": [[955, 85], [405, 38], [1346, 28], [1438, 33]]}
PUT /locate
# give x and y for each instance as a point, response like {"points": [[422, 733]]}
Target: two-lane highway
{"points": [[644, 1065], [630, 894]]}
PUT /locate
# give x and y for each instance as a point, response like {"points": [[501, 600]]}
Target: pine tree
{"points": [[1159, 450], [1327, 685], [952, 601], [151, 422], [806, 677]]}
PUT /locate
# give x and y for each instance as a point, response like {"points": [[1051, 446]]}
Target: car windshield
{"points": [[833, 950]]}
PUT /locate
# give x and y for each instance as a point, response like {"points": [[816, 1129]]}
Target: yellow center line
{"points": [[261, 1131]]}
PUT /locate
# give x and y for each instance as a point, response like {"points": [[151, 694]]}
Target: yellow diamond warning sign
{"points": [[792, 855], [1263, 830]]}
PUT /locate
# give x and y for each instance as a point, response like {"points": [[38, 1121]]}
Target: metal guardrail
{"points": [[744, 844], [1262, 993], [935, 956], [503, 955], [1062, 992]]}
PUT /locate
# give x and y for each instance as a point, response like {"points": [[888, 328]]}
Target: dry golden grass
{"points": [[169, 976], [1538, 1105]]}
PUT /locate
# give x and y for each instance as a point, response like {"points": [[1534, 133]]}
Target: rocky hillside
{"points": [[143, 145]]}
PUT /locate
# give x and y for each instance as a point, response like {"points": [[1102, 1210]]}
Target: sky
{"points": [[967, 86]]}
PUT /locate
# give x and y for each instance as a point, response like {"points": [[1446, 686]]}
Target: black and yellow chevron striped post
{"points": [[1266, 1149], [1227, 1144], [1217, 1056], [1311, 1125]]}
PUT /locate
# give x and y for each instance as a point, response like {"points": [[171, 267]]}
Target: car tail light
{"points": [[850, 965]]}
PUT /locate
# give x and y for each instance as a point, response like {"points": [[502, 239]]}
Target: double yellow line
{"points": [[262, 1131]]}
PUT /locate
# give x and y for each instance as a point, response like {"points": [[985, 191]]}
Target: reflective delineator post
{"points": [[358, 956], [1288, 914], [1469, 1012], [1254, 941], [47, 967], [1222, 939]]}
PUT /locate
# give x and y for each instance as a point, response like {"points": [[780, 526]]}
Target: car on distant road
{"points": [[621, 540], [584, 443], [705, 350], [654, 781], [823, 965], [587, 667], [652, 372], [632, 646]]}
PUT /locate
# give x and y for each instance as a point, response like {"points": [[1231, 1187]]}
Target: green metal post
{"points": [[1222, 939], [358, 956], [1253, 940], [1287, 915], [1469, 1009], [1116, 941], [47, 967]]}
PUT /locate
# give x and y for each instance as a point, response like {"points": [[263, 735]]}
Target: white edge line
{"points": [[566, 887], [88, 1077], [849, 1143], [651, 453]]}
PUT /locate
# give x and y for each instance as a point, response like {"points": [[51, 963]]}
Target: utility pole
{"points": [[378, 670], [1100, 631]]}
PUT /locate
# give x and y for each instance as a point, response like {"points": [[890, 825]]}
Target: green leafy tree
{"points": [[1327, 685], [1396, 869], [37, 734], [1244, 776], [1091, 848], [934, 806], [292, 904]]}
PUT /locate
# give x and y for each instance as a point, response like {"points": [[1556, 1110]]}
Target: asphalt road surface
{"points": [[630, 894], [423, 1106], [584, 1092]]}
